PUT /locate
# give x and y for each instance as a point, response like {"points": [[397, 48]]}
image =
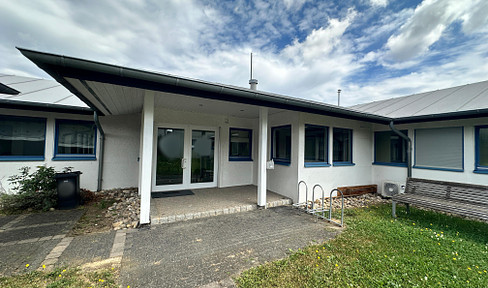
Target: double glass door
{"points": [[185, 158]]}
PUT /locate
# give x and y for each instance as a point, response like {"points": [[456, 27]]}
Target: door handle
{"points": [[183, 163]]}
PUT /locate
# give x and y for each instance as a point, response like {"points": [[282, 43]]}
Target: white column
{"points": [[145, 179], [263, 144]]}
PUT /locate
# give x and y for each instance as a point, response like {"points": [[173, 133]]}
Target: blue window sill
{"points": [[240, 159], [21, 158], [391, 164], [439, 169], [281, 162], [343, 164], [481, 171], [317, 164], [74, 158]]}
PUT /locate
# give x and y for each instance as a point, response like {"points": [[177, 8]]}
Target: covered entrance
{"points": [[185, 157]]}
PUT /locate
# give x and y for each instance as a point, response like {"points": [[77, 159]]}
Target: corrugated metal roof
{"points": [[466, 98], [36, 91]]}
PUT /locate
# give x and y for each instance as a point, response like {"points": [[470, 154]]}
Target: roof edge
{"points": [[52, 64]]}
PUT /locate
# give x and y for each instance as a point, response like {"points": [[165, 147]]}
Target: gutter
{"points": [[59, 66], [102, 146], [409, 149]]}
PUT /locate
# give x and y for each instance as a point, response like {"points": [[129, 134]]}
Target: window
{"points": [[390, 149], [75, 140], [316, 145], [281, 144], [481, 138], [240, 145], [22, 138], [342, 146], [439, 148]]}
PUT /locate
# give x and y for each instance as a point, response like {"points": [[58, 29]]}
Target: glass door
{"points": [[202, 156], [169, 158], [184, 158]]}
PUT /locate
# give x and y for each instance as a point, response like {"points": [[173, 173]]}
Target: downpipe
{"points": [[102, 146], [409, 149]]}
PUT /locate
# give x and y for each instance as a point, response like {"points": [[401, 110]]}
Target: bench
{"points": [[456, 198]]}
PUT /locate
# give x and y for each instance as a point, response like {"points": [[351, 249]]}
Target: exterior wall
{"points": [[335, 176], [121, 159], [283, 179], [89, 168], [231, 173], [398, 174]]}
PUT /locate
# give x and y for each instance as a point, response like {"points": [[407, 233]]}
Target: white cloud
{"points": [[379, 3], [425, 27]]}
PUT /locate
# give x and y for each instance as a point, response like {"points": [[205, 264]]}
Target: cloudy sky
{"points": [[370, 49]]}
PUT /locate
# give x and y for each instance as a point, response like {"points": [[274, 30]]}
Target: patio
{"points": [[210, 202]]}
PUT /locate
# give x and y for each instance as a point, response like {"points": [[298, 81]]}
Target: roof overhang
{"points": [[98, 84], [46, 107]]}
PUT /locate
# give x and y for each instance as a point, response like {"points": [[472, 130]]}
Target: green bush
{"points": [[36, 191]]}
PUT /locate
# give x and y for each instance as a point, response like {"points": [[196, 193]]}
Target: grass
{"points": [[69, 277], [421, 249]]}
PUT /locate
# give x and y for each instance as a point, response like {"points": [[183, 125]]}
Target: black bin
{"points": [[68, 187]]}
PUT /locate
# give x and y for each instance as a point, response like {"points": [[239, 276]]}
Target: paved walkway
{"points": [[203, 252]]}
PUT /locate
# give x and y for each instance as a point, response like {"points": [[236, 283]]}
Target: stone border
{"points": [[236, 209], [119, 244], [53, 256]]}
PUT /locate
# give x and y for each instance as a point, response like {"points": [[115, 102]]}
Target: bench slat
{"points": [[457, 198]]}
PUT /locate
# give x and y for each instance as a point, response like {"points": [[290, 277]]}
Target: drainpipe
{"points": [[409, 149], [102, 145]]}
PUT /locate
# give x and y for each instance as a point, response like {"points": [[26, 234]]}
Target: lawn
{"points": [[65, 278], [421, 249]]}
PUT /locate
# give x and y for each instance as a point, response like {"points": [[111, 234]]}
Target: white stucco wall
{"points": [[121, 159], [283, 179], [336, 176], [89, 168], [399, 174]]}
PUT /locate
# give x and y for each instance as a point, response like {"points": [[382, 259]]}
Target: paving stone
{"points": [[210, 250], [86, 248], [34, 232], [52, 216], [6, 219]]}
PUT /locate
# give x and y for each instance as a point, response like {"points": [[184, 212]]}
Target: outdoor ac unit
{"points": [[391, 188]]}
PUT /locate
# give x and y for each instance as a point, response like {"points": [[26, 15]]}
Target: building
{"points": [[162, 132]]}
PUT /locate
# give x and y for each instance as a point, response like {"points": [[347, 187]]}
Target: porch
{"points": [[210, 202]]}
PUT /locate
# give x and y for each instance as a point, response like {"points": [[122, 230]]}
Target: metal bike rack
{"points": [[330, 210], [302, 205], [321, 210]]}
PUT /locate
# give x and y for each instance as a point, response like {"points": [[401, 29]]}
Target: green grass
{"points": [[422, 249], [70, 277]]}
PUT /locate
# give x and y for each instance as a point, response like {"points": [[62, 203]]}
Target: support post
{"points": [[263, 144], [145, 179], [393, 209]]}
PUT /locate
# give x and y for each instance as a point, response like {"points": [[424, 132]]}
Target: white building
{"points": [[164, 133]]}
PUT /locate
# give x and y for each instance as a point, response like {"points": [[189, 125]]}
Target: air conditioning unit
{"points": [[391, 188]]}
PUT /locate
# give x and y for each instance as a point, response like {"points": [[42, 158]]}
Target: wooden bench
{"points": [[456, 198]]}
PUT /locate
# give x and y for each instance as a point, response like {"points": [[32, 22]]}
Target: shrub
{"points": [[35, 191]]}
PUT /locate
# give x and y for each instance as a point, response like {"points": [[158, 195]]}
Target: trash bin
{"points": [[68, 187]]}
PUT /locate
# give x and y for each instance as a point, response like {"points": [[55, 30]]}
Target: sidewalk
{"points": [[196, 253]]}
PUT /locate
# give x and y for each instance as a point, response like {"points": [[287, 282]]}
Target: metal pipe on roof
{"points": [[102, 146], [409, 149]]}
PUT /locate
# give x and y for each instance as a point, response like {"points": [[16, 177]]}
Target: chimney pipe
{"points": [[253, 82]]}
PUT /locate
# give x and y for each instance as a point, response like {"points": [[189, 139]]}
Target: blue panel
{"points": [[317, 164], [343, 164]]}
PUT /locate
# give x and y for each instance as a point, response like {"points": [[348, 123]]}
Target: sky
{"points": [[370, 49]]}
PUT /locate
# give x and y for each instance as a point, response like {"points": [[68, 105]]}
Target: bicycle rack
{"points": [[330, 209], [302, 205], [321, 210]]}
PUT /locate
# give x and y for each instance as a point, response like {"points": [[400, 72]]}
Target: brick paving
{"points": [[204, 252], [209, 251]]}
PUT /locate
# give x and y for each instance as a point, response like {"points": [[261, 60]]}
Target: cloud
{"points": [[426, 26], [379, 3]]}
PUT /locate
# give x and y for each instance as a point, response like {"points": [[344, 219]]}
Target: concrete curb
{"points": [[236, 209]]}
